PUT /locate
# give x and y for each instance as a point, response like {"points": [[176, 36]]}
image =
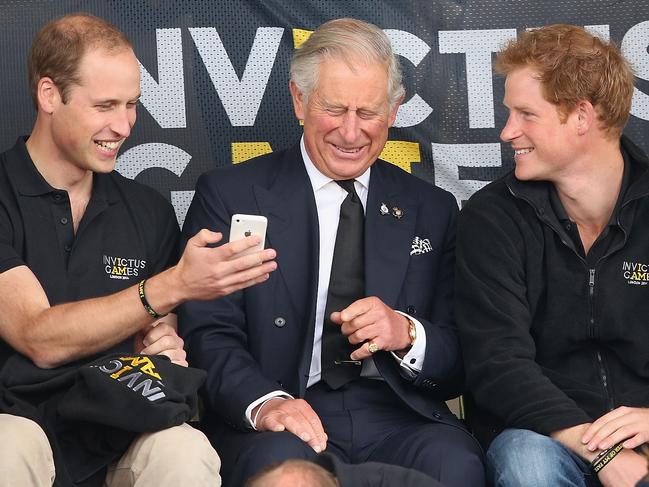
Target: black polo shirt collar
{"points": [[29, 182], [560, 212], [603, 242]]}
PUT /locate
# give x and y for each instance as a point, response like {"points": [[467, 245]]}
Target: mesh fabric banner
{"points": [[215, 78]]}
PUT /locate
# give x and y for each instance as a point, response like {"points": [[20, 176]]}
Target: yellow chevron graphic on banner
{"points": [[401, 153], [299, 36], [398, 152], [242, 151]]}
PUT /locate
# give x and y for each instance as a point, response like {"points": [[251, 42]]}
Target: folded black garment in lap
{"points": [[92, 411]]}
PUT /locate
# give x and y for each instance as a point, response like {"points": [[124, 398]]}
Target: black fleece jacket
{"points": [[552, 339]]}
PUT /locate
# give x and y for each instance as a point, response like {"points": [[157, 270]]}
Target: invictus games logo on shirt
{"points": [[122, 267], [635, 273]]}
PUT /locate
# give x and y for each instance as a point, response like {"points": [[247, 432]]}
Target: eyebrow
{"points": [[113, 101], [371, 108]]}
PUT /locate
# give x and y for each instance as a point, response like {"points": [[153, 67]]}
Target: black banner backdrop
{"points": [[215, 76]]}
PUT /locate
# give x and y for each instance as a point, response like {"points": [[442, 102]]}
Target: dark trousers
{"points": [[365, 421]]}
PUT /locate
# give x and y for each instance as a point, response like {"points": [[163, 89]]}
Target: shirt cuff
{"points": [[261, 401], [412, 363]]}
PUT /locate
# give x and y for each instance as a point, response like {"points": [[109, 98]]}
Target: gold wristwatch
{"points": [[412, 331]]}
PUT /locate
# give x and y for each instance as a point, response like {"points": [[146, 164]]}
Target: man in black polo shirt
{"points": [[88, 258]]}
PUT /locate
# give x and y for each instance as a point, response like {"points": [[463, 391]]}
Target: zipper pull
{"points": [[591, 280]]}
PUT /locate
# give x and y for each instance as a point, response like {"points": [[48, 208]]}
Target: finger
{"points": [[237, 246], [631, 429], [178, 357], [170, 320], [363, 351], [307, 427], [597, 424], [164, 344], [619, 435], [355, 309], [601, 422], [299, 426], [250, 261], [271, 422], [235, 282], [205, 237], [614, 431], [272, 415], [335, 318], [320, 440], [154, 334], [364, 334], [635, 441], [361, 321], [225, 267], [297, 417]]}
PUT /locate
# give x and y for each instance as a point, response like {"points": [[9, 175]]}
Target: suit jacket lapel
{"points": [[289, 205], [387, 238]]}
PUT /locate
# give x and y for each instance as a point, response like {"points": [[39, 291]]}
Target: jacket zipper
{"points": [[600, 361], [591, 304], [591, 294]]}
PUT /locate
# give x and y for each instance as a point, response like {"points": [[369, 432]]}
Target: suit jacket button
{"points": [[279, 322], [436, 415], [411, 310]]}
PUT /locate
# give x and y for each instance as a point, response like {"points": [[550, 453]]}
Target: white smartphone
{"points": [[243, 226]]}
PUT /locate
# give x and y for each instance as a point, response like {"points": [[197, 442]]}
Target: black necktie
{"points": [[346, 285]]}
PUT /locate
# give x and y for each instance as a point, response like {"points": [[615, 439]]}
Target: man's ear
{"points": [[299, 105], [47, 95], [393, 111], [586, 116]]}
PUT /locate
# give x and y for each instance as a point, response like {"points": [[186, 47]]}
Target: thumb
{"points": [[336, 318], [205, 237]]}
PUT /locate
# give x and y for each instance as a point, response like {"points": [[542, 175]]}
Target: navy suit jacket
{"points": [[260, 339]]}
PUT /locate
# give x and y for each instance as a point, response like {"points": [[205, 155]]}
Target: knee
{"points": [[523, 457], [25, 452], [460, 449], [273, 447], [460, 460], [186, 444], [445, 453], [259, 450], [21, 439], [185, 448]]}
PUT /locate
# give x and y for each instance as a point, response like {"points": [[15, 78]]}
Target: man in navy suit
{"points": [[272, 392]]}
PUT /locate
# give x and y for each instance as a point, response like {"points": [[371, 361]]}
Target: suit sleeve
{"points": [[495, 318], [215, 331]]}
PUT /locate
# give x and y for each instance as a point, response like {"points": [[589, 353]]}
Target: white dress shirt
{"points": [[328, 198]]}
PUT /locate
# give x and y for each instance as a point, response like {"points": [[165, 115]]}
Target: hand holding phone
{"points": [[243, 226]]}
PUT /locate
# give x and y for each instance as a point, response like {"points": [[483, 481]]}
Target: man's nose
{"points": [[511, 130]]}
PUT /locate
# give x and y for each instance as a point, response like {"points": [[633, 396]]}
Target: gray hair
{"points": [[348, 40]]}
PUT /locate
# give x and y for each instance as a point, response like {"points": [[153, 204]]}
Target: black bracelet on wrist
{"points": [[145, 303], [602, 459]]}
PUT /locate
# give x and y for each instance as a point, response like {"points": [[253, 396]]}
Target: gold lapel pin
{"points": [[397, 212]]}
